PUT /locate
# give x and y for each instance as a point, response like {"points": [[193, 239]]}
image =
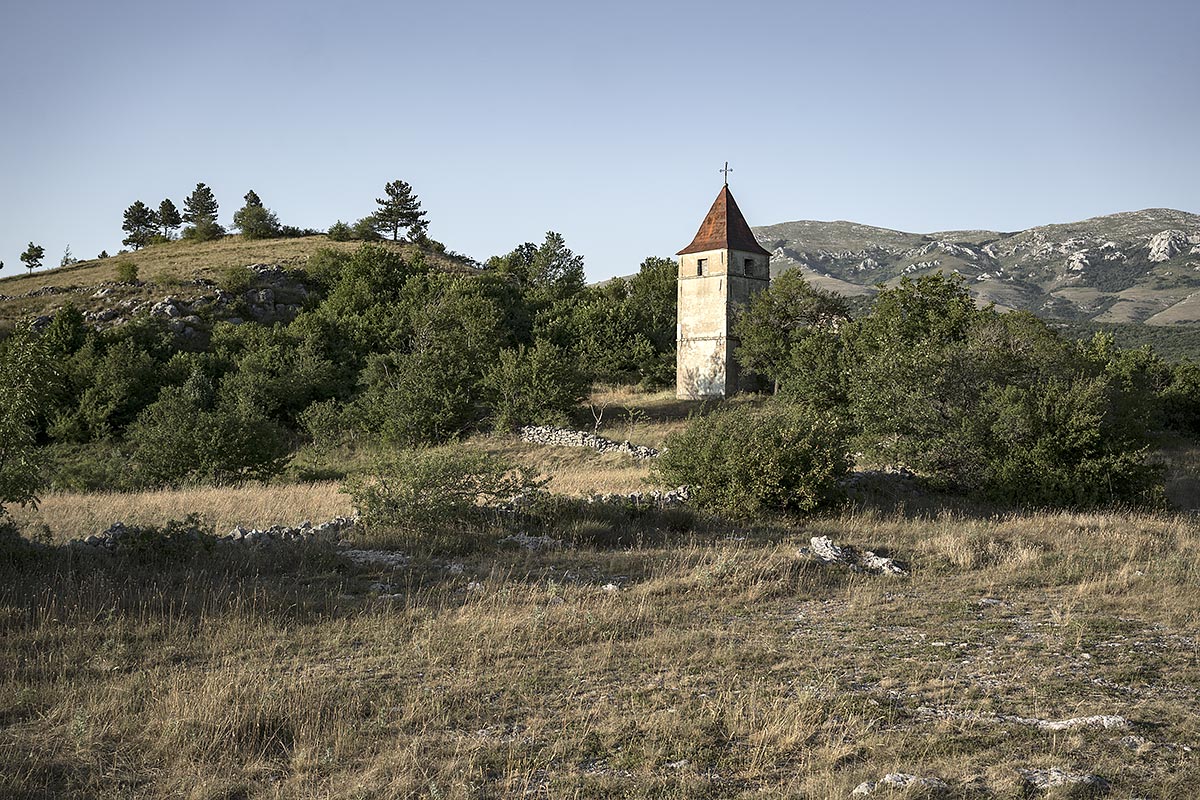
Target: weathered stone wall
{"points": [[566, 437]]}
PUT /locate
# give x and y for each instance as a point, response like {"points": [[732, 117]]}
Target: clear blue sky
{"points": [[605, 121]]}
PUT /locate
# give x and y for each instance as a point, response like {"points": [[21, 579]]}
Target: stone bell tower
{"points": [[718, 272]]}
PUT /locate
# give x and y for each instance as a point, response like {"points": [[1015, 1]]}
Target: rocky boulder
{"points": [[1167, 244]]}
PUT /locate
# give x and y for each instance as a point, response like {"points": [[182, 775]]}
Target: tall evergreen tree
{"points": [[141, 223], [200, 209], [32, 257], [200, 205], [254, 220], [168, 217], [400, 209]]}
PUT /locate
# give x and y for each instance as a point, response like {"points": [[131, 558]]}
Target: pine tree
{"points": [[32, 257], [200, 209], [200, 205], [254, 220], [400, 209], [68, 258], [141, 223], [168, 217], [103, 254]]}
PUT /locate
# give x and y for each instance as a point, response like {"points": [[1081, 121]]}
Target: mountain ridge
{"points": [[1129, 266]]}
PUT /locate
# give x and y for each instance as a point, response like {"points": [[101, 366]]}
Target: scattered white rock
{"points": [[1101, 721], [825, 549], [528, 542], [899, 780], [1044, 779], [1096, 722], [372, 558]]}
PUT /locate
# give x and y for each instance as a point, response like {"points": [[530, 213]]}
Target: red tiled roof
{"points": [[724, 229]]}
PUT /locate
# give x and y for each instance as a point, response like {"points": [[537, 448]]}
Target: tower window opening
{"points": [[748, 265], [700, 262]]}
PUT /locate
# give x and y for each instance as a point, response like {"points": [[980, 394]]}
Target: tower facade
{"points": [[719, 271]]}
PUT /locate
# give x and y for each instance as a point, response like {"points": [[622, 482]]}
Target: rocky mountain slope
{"points": [[1138, 266]]}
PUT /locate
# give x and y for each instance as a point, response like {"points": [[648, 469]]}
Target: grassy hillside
{"points": [[169, 268]]}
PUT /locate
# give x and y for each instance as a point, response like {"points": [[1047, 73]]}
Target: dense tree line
{"points": [[973, 399], [388, 350]]}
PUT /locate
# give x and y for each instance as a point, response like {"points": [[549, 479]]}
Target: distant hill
{"points": [[1132, 267]]}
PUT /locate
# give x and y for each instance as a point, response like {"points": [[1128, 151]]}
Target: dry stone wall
{"points": [[118, 535], [566, 437]]}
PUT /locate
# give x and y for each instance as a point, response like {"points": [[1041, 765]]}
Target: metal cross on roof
{"points": [[727, 170]]}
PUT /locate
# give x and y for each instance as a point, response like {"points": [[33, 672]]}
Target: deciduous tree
{"points": [[782, 317], [25, 371]]}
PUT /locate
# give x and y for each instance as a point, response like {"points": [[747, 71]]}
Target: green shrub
{"points": [[1181, 399], [745, 461], [25, 371], [92, 467], [992, 404], [416, 399], [417, 489], [537, 385], [340, 232], [1065, 443], [325, 423], [256, 222], [236, 280], [324, 267], [184, 437], [364, 230], [127, 272], [205, 230]]}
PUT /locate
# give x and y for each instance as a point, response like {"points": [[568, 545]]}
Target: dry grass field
{"points": [[71, 515], [652, 654], [708, 660]]}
